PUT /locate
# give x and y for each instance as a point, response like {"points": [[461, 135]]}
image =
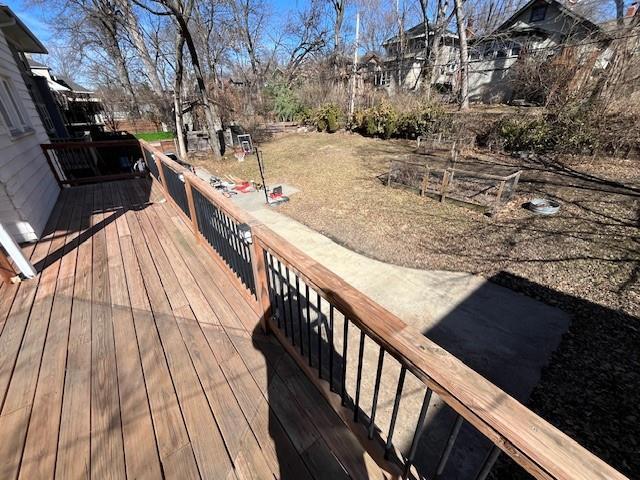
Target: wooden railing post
{"points": [[161, 173], [261, 282], [188, 186]]}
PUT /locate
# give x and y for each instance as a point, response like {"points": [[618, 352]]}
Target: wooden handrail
{"points": [[536, 445], [98, 144]]}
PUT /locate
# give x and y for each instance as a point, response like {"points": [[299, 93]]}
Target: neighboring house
{"points": [[540, 28], [81, 109], [28, 189], [405, 62]]}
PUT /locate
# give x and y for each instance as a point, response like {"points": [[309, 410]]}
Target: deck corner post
{"points": [[261, 282]]}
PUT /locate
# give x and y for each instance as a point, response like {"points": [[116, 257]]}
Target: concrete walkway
{"points": [[503, 335]]}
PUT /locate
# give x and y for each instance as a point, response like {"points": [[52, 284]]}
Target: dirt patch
{"points": [[585, 260]]}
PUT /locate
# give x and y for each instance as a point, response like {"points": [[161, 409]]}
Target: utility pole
{"points": [[354, 72]]}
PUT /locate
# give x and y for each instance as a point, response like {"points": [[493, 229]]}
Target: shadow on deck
{"points": [[131, 354]]}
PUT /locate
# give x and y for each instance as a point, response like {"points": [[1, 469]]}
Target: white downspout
{"points": [[15, 252]]}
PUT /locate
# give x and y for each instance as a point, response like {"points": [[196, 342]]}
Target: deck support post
{"points": [[258, 254]]}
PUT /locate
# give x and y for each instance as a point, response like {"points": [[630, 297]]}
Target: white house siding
{"points": [[28, 190]]}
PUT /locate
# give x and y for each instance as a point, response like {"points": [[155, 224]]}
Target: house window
{"points": [[12, 110], [382, 78], [538, 13], [515, 50]]}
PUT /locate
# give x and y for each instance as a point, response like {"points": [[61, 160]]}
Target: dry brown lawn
{"points": [[590, 249], [585, 260]]}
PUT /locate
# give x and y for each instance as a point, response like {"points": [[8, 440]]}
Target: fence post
{"points": [[499, 196], [192, 207], [260, 276], [446, 178]]}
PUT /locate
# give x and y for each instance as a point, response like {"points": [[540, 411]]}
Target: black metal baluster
{"points": [[394, 414], [224, 236], [231, 240], [299, 305], [243, 258], [418, 432], [306, 296], [236, 248], [270, 284], [356, 410], [233, 254], [376, 390], [488, 463], [331, 348], [211, 237], [319, 335], [344, 361], [293, 333], [281, 282], [210, 227], [447, 450], [219, 234]]}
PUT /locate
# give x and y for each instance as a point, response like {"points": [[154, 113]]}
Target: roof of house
{"points": [[417, 31], [18, 32], [563, 9], [34, 64], [75, 87]]}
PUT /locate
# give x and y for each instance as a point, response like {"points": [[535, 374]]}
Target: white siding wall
{"points": [[28, 190]]}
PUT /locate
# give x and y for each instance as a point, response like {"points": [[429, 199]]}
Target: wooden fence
{"points": [[302, 304]]}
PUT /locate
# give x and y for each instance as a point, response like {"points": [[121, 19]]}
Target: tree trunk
{"points": [[464, 55], [177, 97], [434, 51], [213, 119], [137, 39], [424, 6], [114, 50]]}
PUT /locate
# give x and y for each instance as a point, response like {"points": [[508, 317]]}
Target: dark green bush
{"points": [[283, 102], [570, 129], [525, 134]]}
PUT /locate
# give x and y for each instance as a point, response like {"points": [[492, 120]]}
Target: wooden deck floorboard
{"points": [[131, 355]]}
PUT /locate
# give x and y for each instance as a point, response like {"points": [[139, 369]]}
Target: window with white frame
{"points": [[12, 109], [382, 78]]}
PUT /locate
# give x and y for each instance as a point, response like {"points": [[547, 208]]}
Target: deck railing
{"points": [[79, 162], [317, 316]]}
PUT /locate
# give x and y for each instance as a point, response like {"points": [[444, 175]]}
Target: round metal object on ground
{"points": [[543, 206]]}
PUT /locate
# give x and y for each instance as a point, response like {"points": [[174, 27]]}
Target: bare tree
{"points": [[306, 37], [464, 54], [376, 23], [339, 7], [177, 94], [181, 12], [132, 26]]}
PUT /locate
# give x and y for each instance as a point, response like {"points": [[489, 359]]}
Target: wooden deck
{"points": [[131, 355]]}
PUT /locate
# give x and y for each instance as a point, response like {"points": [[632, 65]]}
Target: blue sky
{"points": [[31, 17]]}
